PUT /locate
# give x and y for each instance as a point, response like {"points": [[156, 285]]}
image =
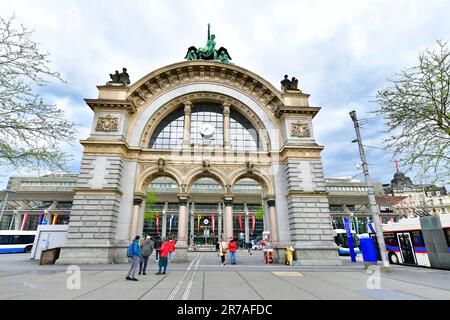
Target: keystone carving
{"points": [[249, 166], [161, 165], [206, 165]]}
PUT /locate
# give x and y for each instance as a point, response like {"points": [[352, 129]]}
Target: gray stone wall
{"points": [[308, 213]]}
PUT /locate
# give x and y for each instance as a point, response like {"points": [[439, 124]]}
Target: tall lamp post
{"points": [[371, 193], [7, 192]]}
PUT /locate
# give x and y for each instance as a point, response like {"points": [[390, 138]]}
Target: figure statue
{"points": [[161, 165], [115, 78], [285, 83], [192, 54], [124, 77], [209, 50], [294, 84]]}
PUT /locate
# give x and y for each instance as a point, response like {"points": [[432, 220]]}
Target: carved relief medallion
{"points": [[300, 129], [107, 124]]}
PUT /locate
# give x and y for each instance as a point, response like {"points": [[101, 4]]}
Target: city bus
{"points": [[14, 241], [421, 241], [341, 239]]}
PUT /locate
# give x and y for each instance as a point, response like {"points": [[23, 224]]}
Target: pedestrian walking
{"points": [[223, 248], [171, 249], [157, 247], [146, 251], [249, 248], [232, 246], [164, 253], [217, 247], [135, 255]]}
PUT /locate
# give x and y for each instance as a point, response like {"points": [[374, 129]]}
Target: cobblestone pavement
{"points": [[203, 278]]}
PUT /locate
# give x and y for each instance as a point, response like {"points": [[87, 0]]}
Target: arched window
{"points": [[206, 128], [169, 132], [243, 136]]}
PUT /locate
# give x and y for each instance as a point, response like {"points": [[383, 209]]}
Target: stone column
{"points": [[219, 221], [273, 221], [187, 124], [228, 219], [226, 125], [17, 220], [181, 245], [247, 224], [135, 218]]}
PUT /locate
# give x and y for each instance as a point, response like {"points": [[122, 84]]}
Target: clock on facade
{"points": [[206, 130]]}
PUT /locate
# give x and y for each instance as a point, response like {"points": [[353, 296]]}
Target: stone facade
{"points": [[117, 166]]}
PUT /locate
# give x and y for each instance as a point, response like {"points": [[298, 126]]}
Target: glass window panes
{"points": [[243, 135], [169, 132], [207, 113]]}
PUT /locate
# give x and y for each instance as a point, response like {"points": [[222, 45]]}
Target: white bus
{"points": [[341, 239], [14, 241], [423, 241]]}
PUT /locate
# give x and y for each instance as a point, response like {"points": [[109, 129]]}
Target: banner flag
{"points": [[170, 223], [55, 218], [212, 223], [40, 218], [198, 222], [253, 223], [350, 239], [24, 222], [240, 222], [157, 224]]}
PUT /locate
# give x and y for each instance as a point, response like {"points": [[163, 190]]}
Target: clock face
{"points": [[206, 130]]}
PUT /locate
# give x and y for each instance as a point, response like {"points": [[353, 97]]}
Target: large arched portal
{"points": [[216, 131]]}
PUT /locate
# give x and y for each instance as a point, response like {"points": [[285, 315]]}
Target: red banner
{"points": [[212, 223], [157, 224], [253, 223], [24, 222], [240, 222]]}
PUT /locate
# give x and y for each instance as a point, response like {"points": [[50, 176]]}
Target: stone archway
{"points": [[118, 161]]}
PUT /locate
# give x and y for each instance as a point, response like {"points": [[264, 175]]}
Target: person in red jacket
{"points": [[232, 246], [171, 249], [163, 254]]}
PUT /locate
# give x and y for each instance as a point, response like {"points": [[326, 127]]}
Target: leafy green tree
{"points": [[259, 214], [31, 130], [416, 111]]}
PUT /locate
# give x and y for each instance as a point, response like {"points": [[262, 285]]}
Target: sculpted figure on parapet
{"points": [[287, 84], [120, 78]]}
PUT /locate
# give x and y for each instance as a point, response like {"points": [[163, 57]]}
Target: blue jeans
{"points": [[233, 257], [170, 256]]}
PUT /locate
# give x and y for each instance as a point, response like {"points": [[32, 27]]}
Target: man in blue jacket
{"points": [[134, 259]]}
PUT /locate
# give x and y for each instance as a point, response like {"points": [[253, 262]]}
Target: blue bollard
{"points": [[368, 251]]}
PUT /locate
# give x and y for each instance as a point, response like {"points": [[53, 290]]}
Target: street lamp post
{"points": [[371, 193], [7, 192]]}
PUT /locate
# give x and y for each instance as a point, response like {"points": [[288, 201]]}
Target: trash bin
{"points": [[369, 251]]}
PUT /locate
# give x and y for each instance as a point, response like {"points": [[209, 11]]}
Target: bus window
{"points": [[447, 236], [5, 240], [390, 239], [417, 239]]}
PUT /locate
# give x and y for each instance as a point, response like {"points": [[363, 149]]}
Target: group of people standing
{"points": [[222, 248], [142, 250]]}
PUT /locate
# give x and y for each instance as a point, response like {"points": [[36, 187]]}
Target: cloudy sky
{"points": [[342, 52]]}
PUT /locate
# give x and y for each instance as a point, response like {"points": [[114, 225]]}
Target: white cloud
{"points": [[342, 51]]}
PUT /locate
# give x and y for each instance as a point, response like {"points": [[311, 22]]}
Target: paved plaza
{"points": [[203, 278]]}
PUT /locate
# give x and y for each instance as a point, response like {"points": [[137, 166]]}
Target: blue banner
{"points": [[350, 239], [170, 223]]}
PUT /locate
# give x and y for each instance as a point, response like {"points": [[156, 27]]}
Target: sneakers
{"points": [[144, 273], [158, 273], [127, 278], [139, 272], [163, 273], [131, 279]]}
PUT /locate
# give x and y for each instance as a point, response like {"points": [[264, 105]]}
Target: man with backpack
{"points": [[146, 251], [135, 255]]}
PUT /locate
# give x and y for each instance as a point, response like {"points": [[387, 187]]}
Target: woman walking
{"points": [[223, 248]]}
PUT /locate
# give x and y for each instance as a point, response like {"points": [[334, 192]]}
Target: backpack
{"points": [[130, 250]]}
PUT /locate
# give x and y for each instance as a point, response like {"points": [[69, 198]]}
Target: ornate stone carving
{"points": [[300, 129], [107, 124], [249, 166], [119, 78], [206, 165], [161, 165]]}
